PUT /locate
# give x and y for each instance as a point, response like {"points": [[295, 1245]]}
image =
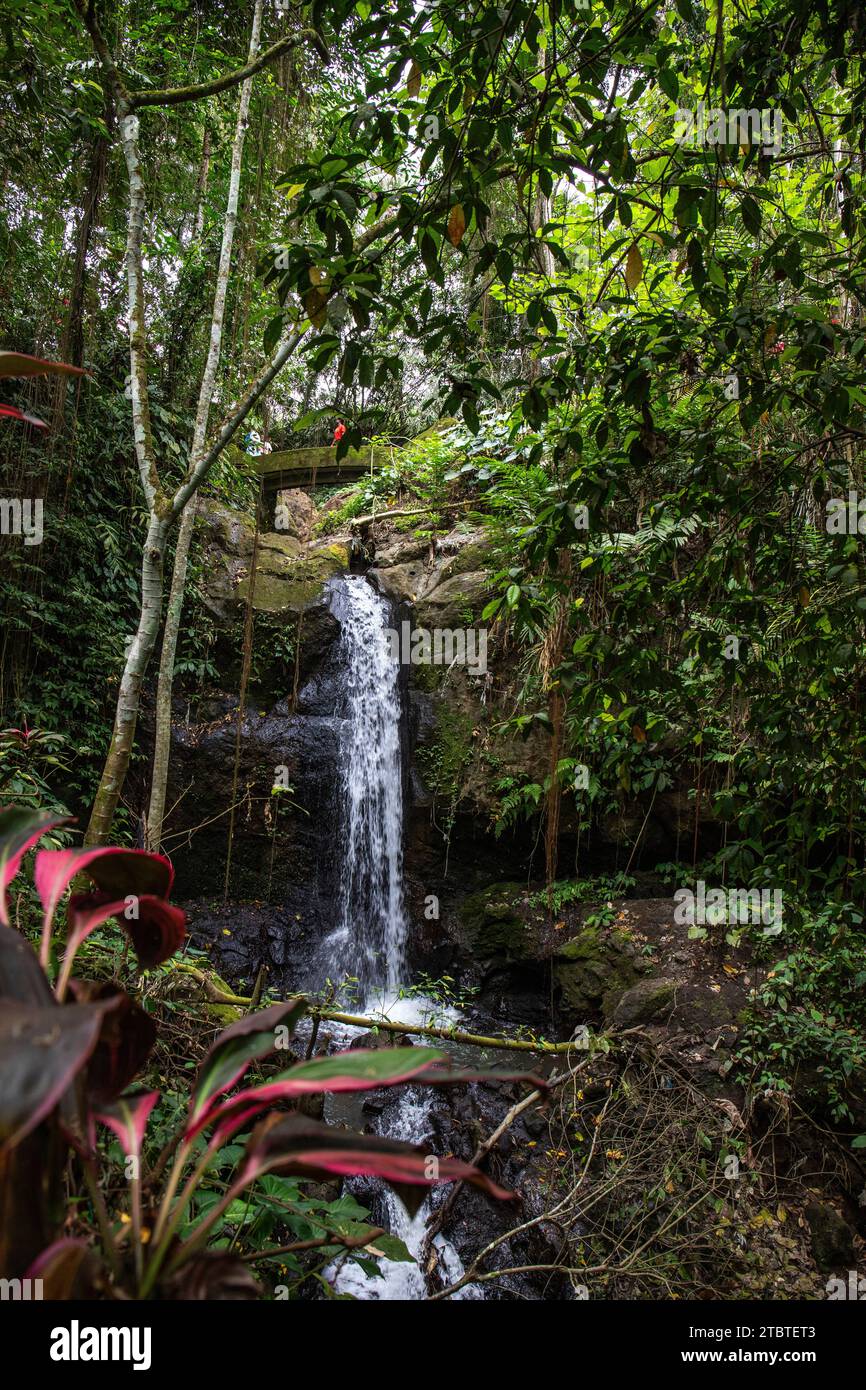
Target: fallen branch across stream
{"points": [[355, 521], [424, 1030]]}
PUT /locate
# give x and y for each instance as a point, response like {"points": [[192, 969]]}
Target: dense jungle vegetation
{"points": [[587, 281]]}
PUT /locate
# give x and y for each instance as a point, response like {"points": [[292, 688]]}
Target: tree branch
{"points": [[173, 96], [235, 420], [218, 996]]}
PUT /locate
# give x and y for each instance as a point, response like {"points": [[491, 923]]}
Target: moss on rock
{"points": [[444, 759], [290, 580], [495, 923], [594, 969], [649, 1001]]}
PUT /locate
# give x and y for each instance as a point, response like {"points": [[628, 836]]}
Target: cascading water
{"points": [[369, 943], [401, 1279]]}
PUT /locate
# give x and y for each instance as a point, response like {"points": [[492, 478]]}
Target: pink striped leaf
{"points": [[252, 1037], [20, 829]]}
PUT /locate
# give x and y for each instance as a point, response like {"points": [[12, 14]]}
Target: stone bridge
{"points": [[309, 468]]}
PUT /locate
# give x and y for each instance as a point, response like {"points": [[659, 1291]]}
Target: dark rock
{"points": [[593, 970], [494, 923], [649, 1001], [832, 1237]]}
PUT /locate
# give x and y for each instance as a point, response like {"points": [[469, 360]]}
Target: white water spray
{"points": [[370, 941]]}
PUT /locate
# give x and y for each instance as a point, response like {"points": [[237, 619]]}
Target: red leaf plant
{"points": [[69, 1052]]}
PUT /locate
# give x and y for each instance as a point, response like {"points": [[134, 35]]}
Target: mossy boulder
{"points": [[649, 1001], [290, 579], [472, 558], [496, 923], [229, 531], [594, 969], [456, 602], [290, 575]]}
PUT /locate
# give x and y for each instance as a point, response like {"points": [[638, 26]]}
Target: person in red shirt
{"points": [[339, 432]]}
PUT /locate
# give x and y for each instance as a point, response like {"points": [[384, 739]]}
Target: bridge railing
{"points": [[309, 467]]}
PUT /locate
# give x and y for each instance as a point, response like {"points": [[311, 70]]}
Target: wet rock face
{"points": [[279, 845], [240, 938], [291, 570], [283, 847]]}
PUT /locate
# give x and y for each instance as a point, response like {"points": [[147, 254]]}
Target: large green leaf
{"points": [[362, 1070]]}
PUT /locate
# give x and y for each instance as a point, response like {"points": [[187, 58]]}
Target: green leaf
{"points": [[750, 212]]}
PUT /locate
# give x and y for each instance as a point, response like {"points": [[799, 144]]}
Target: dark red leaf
{"points": [[116, 872], [124, 1044], [361, 1070], [21, 976], [128, 1118], [11, 412], [297, 1146], [21, 364], [156, 928], [42, 1049]]}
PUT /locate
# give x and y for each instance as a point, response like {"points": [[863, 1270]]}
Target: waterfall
{"points": [[369, 942]]}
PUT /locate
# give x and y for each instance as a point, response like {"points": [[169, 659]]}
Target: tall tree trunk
{"points": [[201, 185], [138, 656], [162, 743], [141, 647], [164, 509]]}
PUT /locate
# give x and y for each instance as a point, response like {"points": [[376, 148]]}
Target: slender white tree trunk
{"points": [[142, 644], [162, 743]]}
